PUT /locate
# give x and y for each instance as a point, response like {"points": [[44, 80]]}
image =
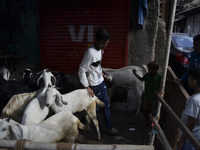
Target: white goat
{"points": [[5, 73], [17, 104], [63, 125], [36, 111], [125, 77], [48, 78], [77, 101]]}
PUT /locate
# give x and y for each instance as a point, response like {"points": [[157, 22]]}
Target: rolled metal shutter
{"points": [[68, 27]]}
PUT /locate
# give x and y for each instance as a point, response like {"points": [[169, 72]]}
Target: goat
{"points": [[77, 101], [5, 73], [48, 80], [125, 77], [36, 111], [63, 125], [14, 109], [27, 74], [35, 82]]}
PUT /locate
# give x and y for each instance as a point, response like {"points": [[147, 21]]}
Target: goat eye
{"points": [[4, 129]]}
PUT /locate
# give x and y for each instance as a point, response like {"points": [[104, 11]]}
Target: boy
{"points": [[91, 76], [194, 62], [191, 114], [152, 84]]}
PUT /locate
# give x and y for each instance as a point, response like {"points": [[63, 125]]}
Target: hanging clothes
{"points": [[142, 11]]}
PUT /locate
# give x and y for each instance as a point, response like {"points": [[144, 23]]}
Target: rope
{"points": [[20, 144], [75, 146], [65, 146]]}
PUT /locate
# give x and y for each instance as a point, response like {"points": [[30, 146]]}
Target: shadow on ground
{"points": [[130, 127]]}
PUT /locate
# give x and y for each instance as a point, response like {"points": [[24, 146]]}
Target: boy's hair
{"points": [[196, 37], [153, 65], [102, 34], [194, 73]]}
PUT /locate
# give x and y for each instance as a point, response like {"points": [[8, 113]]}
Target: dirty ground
{"points": [[122, 121]]}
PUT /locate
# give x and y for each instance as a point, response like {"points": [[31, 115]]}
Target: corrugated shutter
{"points": [[68, 26]]}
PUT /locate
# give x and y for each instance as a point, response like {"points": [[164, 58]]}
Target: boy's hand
{"points": [[178, 81], [179, 145], [134, 71], [106, 77], [90, 92]]}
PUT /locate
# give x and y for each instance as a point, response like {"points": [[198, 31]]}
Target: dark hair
{"points": [[153, 65], [196, 37], [194, 73], [102, 34]]}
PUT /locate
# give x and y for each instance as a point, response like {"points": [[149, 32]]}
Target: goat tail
{"points": [[81, 126], [100, 103], [2, 116]]}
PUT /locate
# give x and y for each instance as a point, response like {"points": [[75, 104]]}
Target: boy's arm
{"points": [[184, 77], [134, 72], [170, 81], [190, 125], [191, 65], [83, 69]]}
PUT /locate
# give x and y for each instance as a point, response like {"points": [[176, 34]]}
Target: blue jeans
{"points": [[101, 92]]}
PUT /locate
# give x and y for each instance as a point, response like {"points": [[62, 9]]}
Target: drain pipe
{"points": [[164, 71]]}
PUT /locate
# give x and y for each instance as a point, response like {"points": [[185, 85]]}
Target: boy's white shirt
{"points": [[88, 74], [192, 108]]}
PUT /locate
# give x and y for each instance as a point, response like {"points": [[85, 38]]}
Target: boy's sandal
{"points": [[112, 131]]}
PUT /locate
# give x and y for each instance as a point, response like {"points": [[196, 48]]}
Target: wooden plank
{"points": [[178, 122], [164, 141], [175, 96]]}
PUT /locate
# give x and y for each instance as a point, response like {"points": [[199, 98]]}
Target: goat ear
{"points": [[23, 75], [38, 80], [16, 131], [53, 80], [8, 75], [31, 75], [7, 119], [58, 100]]}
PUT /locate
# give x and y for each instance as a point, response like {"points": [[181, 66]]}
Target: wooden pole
{"points": [[164, 72], [52, 146], [168, 44], [161, 134], [12, 56]]}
